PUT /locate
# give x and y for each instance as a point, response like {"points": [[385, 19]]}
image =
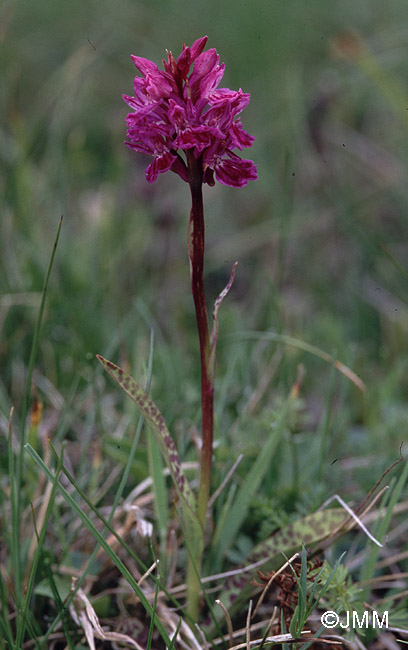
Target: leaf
{"points": [[165, 442], [308, 530], [157, 425], [63, 584]]}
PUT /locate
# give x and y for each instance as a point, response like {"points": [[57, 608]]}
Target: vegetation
{"points": [[312, 365]]}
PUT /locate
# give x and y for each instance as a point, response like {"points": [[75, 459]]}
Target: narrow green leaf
{"points": [[54, 586], [302, 583], [25, 609], [323, 590], [175, 635], [389, 501], [130, 456], [239, 510], [159, 488], [101, 540], [156, 595], [319, 632], [293, 625], [17, 506], [285, 646]]}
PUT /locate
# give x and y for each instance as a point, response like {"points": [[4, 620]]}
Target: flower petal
{"points": [[235, 171], [159, 165], [239, 137], [197, 47], [144, 65]]}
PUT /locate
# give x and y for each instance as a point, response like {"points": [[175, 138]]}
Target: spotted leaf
{"points": [[308, 530], [157, 426]]}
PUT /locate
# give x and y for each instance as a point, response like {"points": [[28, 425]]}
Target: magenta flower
{"points": [[177, 110]]}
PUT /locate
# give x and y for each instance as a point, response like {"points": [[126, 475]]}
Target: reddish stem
{"points": [[196, 242]]}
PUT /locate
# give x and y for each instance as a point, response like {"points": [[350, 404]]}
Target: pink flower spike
{"points": [[179, 109]]}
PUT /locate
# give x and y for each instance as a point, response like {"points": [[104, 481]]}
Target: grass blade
{"points": [[159, 482], [306, 347], [16, 509], [101, 540], [21, 623], [368, 568], [239, 509]]}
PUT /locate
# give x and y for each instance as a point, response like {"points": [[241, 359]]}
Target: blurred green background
{"points": [[321, 237]]}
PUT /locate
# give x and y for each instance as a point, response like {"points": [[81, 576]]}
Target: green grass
{"points": [[321, 241]]}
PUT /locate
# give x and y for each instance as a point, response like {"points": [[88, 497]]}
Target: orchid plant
{"points": [[189, 126]]}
